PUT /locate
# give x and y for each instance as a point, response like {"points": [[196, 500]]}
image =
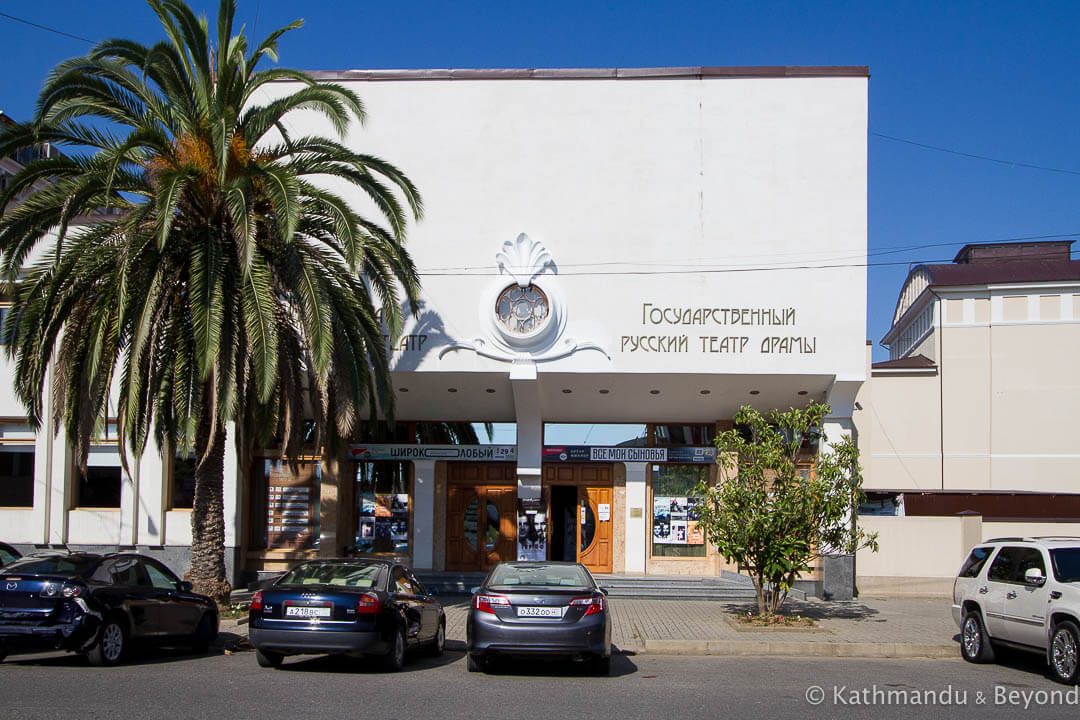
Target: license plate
{"points": [[529, 611], [298, 611]]}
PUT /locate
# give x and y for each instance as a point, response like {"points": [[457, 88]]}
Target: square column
{"points": [[636, 529], [423, 514]]}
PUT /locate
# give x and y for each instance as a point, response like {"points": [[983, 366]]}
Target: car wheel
{"points": [[394, 660], [601, 665], [111, 643], [268, 658], [204, 634], [475, 663], [438, 645], [974, 642], [1064, 652]]}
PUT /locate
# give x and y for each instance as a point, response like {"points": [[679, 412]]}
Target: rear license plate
{"points": [[530, 611], [309, 612]]}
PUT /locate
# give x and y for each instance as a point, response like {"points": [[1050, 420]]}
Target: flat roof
{"points": [[701, 72]]}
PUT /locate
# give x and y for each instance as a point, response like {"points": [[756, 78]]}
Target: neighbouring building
{"points": [[966, 431]]}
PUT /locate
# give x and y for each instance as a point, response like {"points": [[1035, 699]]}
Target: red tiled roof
{"points": [[1003, 271], [914, 362]]}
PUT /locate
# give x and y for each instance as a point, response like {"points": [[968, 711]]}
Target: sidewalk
{"points": [[877, 628]]}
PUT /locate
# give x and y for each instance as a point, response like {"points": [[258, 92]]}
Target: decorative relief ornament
{"points": [[523, 310]]}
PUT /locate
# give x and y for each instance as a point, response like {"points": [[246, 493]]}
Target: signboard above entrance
{"points": [[589, 453], [552, 453], [388, 451]]}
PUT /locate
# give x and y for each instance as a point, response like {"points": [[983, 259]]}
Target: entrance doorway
{"points": [[481, 515], [579, 514]]}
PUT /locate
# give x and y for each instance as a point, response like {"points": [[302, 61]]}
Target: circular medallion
{"points": [[522, 311]]}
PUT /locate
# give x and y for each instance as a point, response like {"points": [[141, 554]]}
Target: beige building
{"points": [[972, 414]]}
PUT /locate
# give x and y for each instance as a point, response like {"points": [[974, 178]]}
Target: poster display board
{"points": [[675, 521], [384, 523], [532, 529], [291, 518]]}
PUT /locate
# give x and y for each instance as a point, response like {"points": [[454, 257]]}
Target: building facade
{"points": [[969, 418], [613, 262]]}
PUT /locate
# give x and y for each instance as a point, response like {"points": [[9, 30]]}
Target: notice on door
{"points": [[603, 512]]}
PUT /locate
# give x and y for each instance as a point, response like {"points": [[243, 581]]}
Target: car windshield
{"points": [[352, 575], [68, 565], [1066, 562], [539, 575]]}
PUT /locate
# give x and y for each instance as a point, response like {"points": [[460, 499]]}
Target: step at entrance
{"points": [[727, 587]]}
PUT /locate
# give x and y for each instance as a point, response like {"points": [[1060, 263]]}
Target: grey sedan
{"points": [[539, 609]]}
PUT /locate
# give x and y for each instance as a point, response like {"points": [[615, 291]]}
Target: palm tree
{"points": [[225, 282]]}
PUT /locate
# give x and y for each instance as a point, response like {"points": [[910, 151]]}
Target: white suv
{"points": [[1004, 595]]}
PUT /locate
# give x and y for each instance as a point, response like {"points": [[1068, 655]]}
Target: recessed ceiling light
{"points": [[403, 389], [706, 392], [490, 390], [603, 391], [567, 391], [451, 389], [755, 392], [802, 392], [654, 392]]}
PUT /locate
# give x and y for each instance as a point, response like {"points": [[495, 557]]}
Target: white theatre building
{"points": [[613, 261]]}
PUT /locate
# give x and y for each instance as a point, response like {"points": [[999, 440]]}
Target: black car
{"points": [[98, 605], [355, 607], [549, 609], [8, 554]]}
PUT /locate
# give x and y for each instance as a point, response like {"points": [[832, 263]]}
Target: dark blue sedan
{"points": [[346, 607], [547, 609]]}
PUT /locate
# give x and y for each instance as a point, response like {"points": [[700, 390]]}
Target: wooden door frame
{"points": [[582, 485], [480, 486]]}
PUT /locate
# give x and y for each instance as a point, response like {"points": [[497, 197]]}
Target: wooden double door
{"points": [[580, 519], [481, 515]]}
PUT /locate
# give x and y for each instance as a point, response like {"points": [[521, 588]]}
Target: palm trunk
{"points": [[207, 570]]}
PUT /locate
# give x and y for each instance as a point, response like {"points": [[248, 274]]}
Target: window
{"points": [[675, 516], [16, 466], [382, 499], [5, 308], [128, 572], [1012, 562], [522, 310], [402, 583], [683, 434], [159, 576], [597, 434], [974, 564], [182, 481], [99, 487]]}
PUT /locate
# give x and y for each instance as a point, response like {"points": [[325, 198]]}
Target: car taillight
{"points": [[72, 590], [484, 603], [256, 601], [592, 605], [368, 603]]}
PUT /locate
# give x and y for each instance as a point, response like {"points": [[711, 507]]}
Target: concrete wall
{"points": [[921, 555]]}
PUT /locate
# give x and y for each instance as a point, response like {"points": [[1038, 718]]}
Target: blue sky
{"points": [[996, 79]]}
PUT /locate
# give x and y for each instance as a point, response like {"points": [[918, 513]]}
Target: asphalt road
{"points": [[173, 684]]}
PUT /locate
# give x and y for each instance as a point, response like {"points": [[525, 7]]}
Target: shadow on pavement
{"points": [[838, 610]]}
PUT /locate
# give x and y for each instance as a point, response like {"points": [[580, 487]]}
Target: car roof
{"points": [[1042, 540]]}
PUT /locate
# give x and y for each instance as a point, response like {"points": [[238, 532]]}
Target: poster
{"points": [[532, 530], [675, 521], [383, 525]]}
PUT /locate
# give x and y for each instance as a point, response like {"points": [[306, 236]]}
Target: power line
{"points": [[973, 156], [47, 28], [701, 264]]}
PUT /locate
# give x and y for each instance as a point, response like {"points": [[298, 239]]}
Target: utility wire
{"points": [[973, 156], [47, 28]]}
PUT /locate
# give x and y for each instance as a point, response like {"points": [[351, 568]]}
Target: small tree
{"points": [[771, 516]]}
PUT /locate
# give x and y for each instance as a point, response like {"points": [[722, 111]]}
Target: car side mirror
{"points": [[603, 590], [1034, 576], [184, 586], [474, 590], [433, 591]]}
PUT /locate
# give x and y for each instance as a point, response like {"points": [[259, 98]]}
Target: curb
{"points": [[791, 648]]}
